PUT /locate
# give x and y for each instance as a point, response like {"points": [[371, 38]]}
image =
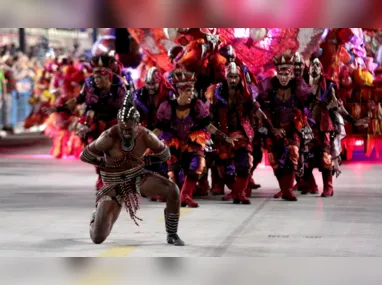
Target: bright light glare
{"points": [[241, 33]]}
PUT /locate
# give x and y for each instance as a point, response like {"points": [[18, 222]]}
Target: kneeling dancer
{"points": [[120, 153]]}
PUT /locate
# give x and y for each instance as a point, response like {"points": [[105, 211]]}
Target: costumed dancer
{"points": [[299, 72], [148, 98], [198, 52], [147, 101], [67, 81], [78, 74], [327, 114], [232, 107], [120, 154], [283, 98], [116, 66], [40, 98], [185, 125], [103, 94], [260, 132], [202, 187]]}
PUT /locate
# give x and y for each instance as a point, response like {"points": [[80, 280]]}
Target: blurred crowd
{"points": [[30, 72], [14, 67]]}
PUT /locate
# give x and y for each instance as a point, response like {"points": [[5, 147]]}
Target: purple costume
{"points": [[184, 131]]}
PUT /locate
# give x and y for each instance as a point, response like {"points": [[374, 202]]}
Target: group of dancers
{"points": [[209, 113]]}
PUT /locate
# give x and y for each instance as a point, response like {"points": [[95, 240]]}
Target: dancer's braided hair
{"points": [[128, 111]]}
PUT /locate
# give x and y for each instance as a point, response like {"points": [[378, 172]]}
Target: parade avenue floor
{"points": [[46, 206]]}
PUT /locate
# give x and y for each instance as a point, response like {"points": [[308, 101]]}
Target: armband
{"points": [[90, 157], [160, 157]]}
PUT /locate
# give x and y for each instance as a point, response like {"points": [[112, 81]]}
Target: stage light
{"points": [[135, 74], [359, 142]]}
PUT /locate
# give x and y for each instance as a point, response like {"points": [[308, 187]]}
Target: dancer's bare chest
{"points": [[124, 157]]}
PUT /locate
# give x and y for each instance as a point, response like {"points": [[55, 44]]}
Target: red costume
{"points": [[284, 98], [328, 125], [199, 53], [68, 81], [232, 114], [102, 105], [322, 129], [258, 142]]}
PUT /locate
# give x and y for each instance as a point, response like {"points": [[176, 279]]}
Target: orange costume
{"points": [[68, 80], [184, 130]]}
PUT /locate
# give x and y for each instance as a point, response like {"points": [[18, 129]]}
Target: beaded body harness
{"points": [[126, 183]]}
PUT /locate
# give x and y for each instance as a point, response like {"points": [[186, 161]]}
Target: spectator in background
{"points": [[12, 49], [23, 68], [2, 86], [4, 50], [10, 88], [32, 52]]}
